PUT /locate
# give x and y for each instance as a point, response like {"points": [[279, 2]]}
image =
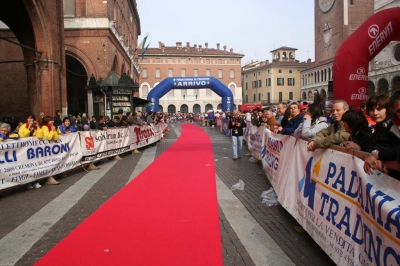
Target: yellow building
{"points": [[269, 83]]}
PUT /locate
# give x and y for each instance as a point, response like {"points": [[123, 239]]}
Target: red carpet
{"points": [[168, 215]]}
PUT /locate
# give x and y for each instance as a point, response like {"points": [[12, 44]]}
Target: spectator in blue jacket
{"points": [[295, 119]]}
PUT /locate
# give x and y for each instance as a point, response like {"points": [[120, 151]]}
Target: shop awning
{"points": [[139, 102]]}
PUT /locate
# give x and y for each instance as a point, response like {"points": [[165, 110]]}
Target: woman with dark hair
{"points": [[356, 125], [48, 128], [124, 121], [313, 122], [378, 108], [295, 119], [66, 127], [30, 128], [387, 143]]}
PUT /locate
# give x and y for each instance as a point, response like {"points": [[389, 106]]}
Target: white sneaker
{"points": [[37, 185], [29, 186]]}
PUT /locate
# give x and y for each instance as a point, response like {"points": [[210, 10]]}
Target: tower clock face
{"points": [[325, 5]]}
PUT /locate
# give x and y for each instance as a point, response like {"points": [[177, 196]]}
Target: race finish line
{"points": [[168, 215]]}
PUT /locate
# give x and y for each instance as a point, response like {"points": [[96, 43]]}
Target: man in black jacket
{"points": [[236, 125], [101, 125]]}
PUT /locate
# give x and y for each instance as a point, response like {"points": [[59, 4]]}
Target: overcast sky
{"points": [[251, 27]]}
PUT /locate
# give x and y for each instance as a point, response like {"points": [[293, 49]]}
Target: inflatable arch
{"points": [[190, 83], [350, 65]]}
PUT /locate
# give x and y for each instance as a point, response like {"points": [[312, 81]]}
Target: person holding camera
{"points": [[236, 126], [30, 128]]}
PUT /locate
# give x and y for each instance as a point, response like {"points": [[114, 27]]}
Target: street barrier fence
{"points": [[354, 217], [29, 159]]}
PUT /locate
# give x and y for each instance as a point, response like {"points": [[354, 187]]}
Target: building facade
{"points": [[334, 21], [100, 36], [49, 50], [272, 82], [190, 61], [384, 70]]}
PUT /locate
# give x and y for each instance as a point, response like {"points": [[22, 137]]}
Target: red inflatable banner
{"points": [[350, 66]]}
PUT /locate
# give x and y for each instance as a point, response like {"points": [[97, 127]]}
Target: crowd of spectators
{"points": [[374, 128], [50, 127]]}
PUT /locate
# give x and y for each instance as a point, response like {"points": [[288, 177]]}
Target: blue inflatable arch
{"points": [[190, 83]]}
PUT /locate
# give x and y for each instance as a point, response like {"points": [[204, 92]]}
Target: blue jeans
{"points": [[237, 146]]}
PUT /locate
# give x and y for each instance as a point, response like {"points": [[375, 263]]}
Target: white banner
{"points": [[99, 144], [141, 136], [274, 155], [29, 159], [354, 217], [256, 140]]}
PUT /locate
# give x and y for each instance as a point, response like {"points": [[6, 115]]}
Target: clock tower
{"points": [[335, 20]]}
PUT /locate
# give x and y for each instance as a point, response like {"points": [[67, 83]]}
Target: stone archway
{"points": [[76, 84], [37, 27]]}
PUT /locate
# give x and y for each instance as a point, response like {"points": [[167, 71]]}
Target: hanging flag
{"points": [[142, 43], [145, 50]]}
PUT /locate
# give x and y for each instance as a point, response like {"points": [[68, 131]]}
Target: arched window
{"points": [[383, 86], [171, 109], [122, 69], [115, 63], [232, 88], [371, 88], [396, 83], [310, 96], [160, 109], [219, 106], [196, 108], [208, 107], [145, 90], [184, 108]]}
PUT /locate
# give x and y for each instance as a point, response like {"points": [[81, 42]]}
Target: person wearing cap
{"points": [[303, 108]]}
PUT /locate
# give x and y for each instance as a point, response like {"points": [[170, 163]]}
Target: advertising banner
{"points": [[224, 128], [141, 136], [352, 216], [99, 144], [276, 149], [28, 159], [250, 131], [247, 132], [256, 141]]}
